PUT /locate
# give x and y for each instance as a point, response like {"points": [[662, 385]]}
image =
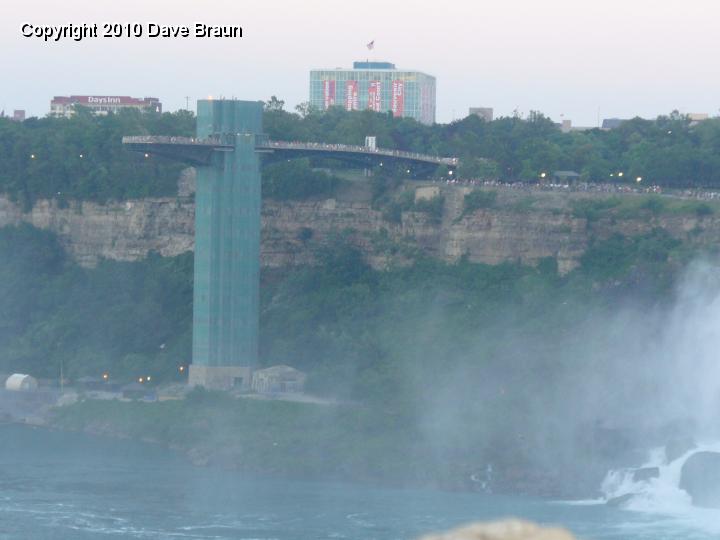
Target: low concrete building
{"points": [[221, 377], [102, 105], [278, 379], [20, 382]]}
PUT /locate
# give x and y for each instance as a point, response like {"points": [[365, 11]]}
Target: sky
{"points": [[570, 59]]}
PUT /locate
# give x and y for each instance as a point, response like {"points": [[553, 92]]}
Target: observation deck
{"points": [[200, 151]]}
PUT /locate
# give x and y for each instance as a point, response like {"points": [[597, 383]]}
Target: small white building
{"points": [[278, 379], [21, 382]]}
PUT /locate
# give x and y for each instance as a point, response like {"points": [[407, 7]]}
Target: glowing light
{"points": [[638, 179], [81, 156], [32, 156], [543, 175], [141, 380], [148, 378], [105, 376], [147, 155], [620, 173]]}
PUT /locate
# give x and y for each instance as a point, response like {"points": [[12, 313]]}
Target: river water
{"points": [[67, 486]]}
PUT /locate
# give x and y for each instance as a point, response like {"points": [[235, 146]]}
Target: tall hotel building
{"points": [[377, 86]]}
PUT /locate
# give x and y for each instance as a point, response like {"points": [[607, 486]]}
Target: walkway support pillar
{"points": [[227, 247]]}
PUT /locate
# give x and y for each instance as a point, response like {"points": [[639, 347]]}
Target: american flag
{"points": [[371, 45]]}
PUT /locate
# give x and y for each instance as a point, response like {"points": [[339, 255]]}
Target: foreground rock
{"points": [[700, 477], [511, 529]]}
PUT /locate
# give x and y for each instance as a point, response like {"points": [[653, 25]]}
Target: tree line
{"points": [[82, 157]]}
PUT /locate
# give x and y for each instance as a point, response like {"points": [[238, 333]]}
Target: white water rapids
{"points": [[662, 495]]}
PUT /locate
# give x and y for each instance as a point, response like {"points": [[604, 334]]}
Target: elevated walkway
{"points": [[200, 151]]}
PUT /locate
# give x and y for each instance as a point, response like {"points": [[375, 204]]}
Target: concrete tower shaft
{"points": [[227, 246]]}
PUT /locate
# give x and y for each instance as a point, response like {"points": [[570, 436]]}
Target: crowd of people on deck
{"points": [[357, 148], [586, 187]]}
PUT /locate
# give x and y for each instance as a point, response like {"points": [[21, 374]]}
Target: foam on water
{"points": [[662, 495]]}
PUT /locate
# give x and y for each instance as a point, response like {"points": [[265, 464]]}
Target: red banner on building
{"points": [[398, 98], [329, 93], [351, 96], [375, 96]]}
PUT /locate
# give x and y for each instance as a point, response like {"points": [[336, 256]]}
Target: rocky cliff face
{"points": [[124, 231], [509, 232]]}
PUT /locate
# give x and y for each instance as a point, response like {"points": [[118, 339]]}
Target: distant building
{"points": [[377, 86], [696, 118], [566, 126], [278, 379], [486, 113], [17, 116], [102, 105], [21, 382], [613, 123]]}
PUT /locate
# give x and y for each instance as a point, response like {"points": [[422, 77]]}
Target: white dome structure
{"points": [[21, 382]]}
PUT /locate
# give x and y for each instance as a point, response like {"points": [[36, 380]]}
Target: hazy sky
{"points": [[562, 57]]}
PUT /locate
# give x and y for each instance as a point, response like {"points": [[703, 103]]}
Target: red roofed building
{"points": [[65, 105]]}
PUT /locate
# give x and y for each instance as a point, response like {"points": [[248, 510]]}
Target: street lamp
{"points": [[620, 173], [638, 179]]}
